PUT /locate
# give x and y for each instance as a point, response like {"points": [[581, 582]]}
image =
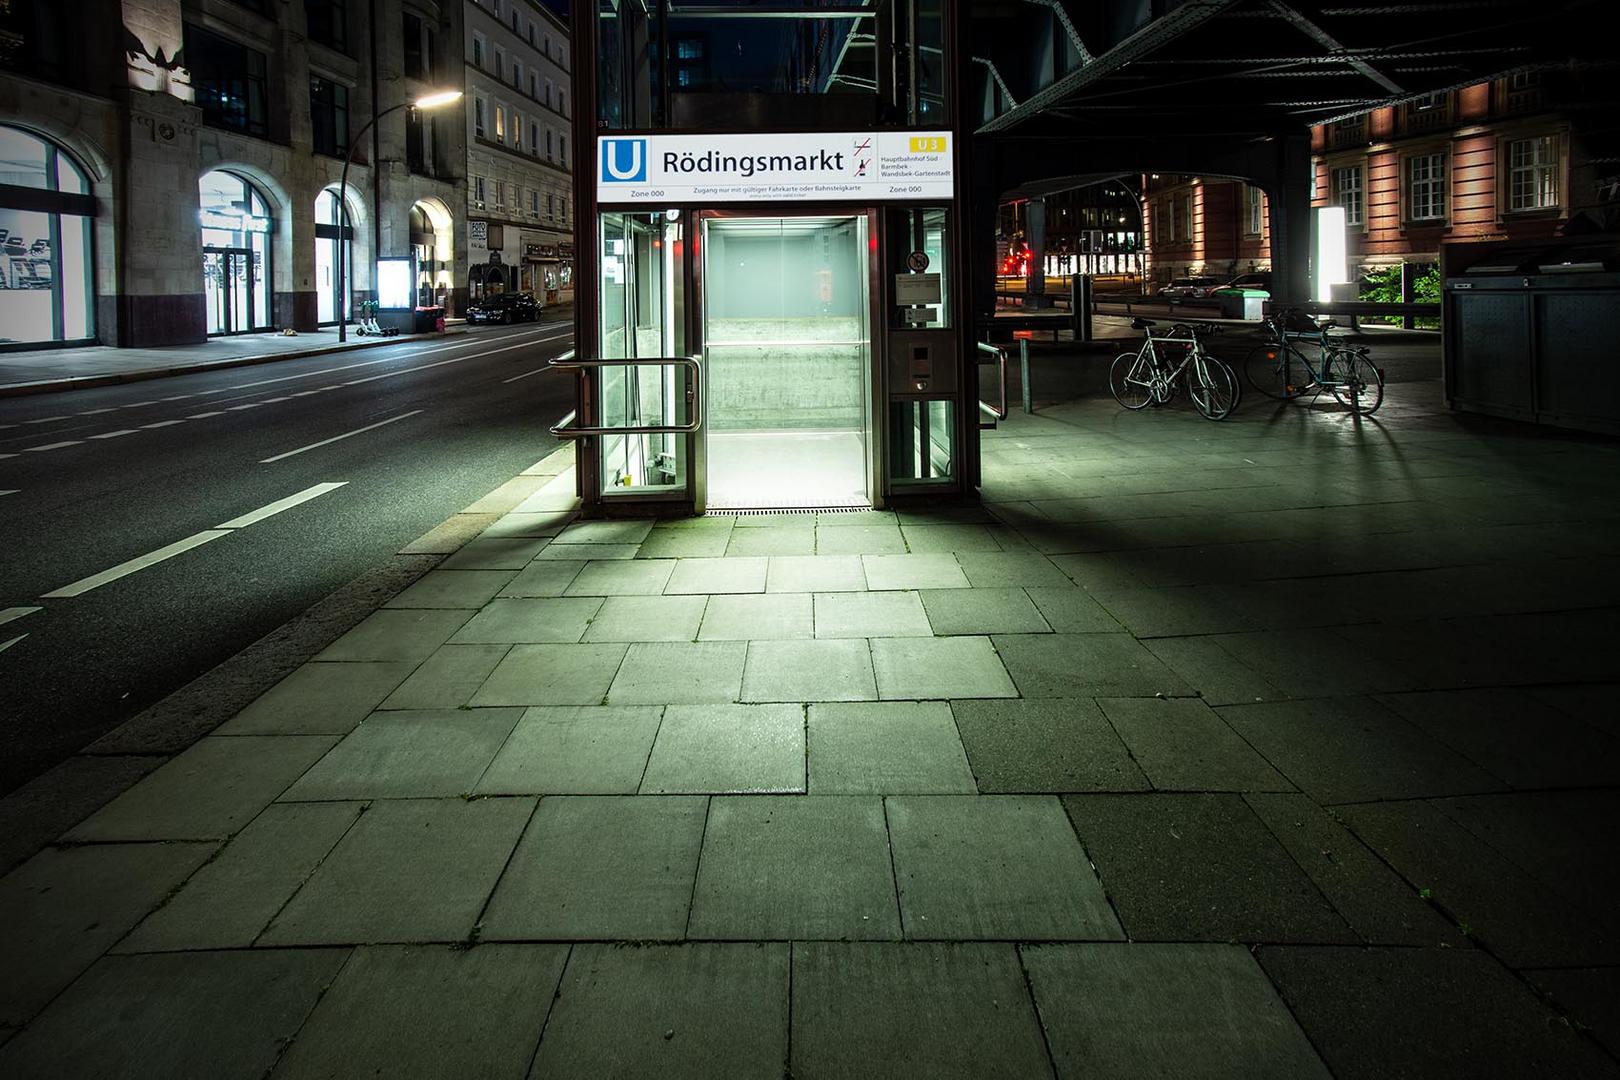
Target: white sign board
{"points": [[817, 166], [916, 289]]}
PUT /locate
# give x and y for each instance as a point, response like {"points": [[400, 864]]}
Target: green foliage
{"points": [[1384, 287]]}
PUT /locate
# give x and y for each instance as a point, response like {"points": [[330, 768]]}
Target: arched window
{"points": [[46, 267], [334, 239], [236, 231]]}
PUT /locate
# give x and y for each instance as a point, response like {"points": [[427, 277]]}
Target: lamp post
{"points": [[428, 101]]}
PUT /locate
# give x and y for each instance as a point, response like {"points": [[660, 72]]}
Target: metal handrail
{"points": [[1000, 359], [694, 395]]}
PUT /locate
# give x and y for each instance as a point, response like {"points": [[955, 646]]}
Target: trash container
{"points": [[1242, 303], [428, 320]]}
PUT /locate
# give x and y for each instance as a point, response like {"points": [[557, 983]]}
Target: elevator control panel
{"points": [[922, 363]]}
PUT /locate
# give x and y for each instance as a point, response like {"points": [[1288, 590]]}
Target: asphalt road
{"points": [[92, 479]]}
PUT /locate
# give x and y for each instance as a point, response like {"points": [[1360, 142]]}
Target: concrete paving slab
{"points": [[209, 792], [762, 617], [544, 577], [1437, 1013], [470, 589], [681, 1012], [665, 542], [557, 549], [410, 870], [982, 611], [886, 748], [794, 868], [1219, 678], [609, 531], [63, 908], [947, 1012], [679, 673], [1353, 749], [762, 540], [396, 635], [448, 679], [727, 748], [229, 901], [1194, 1011], [1051, 745], [931, 537], [412, 1011], [517, 524], [1071, 610], [222, 1015], [923, 571], [994, 867], [871, 615], [1380, 907], [843, 539], [647, 618], [1495, 901], [555, 620], [1084, 665], [319, 699], [939, 668], [496, 553], [1003, 569], [410, 754], [1590, 997], [1199, 868], [1514, 737], [601, 867], [814, 573], [598, 749], [1594, 703], [710, 576], [1315, 662], [838, 669], [625, 577], [1182, 745], [552, 675]]}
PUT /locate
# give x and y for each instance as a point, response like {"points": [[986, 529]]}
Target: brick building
{"points": [[1196, 226]]}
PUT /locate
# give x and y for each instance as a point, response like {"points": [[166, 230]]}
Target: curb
{"points": [[89, 382], [36, 814]]}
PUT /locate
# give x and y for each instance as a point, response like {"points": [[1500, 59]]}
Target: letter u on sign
{"points": [[624, 160]]}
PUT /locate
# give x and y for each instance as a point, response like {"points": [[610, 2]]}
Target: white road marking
{"points": [[96, 412], [249, 405], [114, 434], [52, 446], [138, 404], [11, 614], [7, 455], [204, 415], [439, 363], [526, 374], [339, 438], [272, 509], [161, 424], [273, 400], [9, 491], [124, 569], [4, 645], [46, 420]]}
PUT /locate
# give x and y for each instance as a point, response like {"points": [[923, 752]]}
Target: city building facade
{"points": [[519, 200], [1199, 226], [171, 168]]}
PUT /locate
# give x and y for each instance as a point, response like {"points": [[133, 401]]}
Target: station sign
{"points": [[800, 167]]}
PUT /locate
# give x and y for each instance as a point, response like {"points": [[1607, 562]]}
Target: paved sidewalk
{"points": [[35, 371], [1282, 747]]}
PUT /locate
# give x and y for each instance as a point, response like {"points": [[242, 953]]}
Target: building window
{"points": [[480, 114], [1185, 232], [1533, 173], [562, 102], [329, 116], [517, 129], [500, 123], [46, 262], [562, 149], [1347, 193], [334, 242], [550, 98], [229, 80], [517, 74], [534, 138], [548, 144], [534, 202], [236, 230], [1254, 221], [534, 85], [1426, 187], [1427, 112], [551, 205], [415, 55], [500, 63], [328, 22], [478, 191], [419, 142], [479, 50]]}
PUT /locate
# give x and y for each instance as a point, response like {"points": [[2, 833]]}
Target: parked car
{"points": [[1189, 288], [1256, 279], [507, 307]]}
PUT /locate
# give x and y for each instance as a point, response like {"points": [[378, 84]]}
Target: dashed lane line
{"points": [[4, 645], [8, 491], [114, 434], [51, 446], [12, 614], [161, 424], [253, 517], [340, 438]]}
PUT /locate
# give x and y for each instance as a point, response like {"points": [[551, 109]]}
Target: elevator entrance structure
{"points": [[770, 309]]}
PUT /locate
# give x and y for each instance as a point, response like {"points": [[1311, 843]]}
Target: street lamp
{"points": [[437, 99]]}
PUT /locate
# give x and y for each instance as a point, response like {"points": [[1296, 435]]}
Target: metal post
{"points": [[1035, 284], [1408, 288], [1023, 371], [1080, 307]]}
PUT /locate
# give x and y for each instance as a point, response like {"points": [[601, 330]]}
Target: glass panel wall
{"points": [[45, 256], [331, 239], [236, 230]]}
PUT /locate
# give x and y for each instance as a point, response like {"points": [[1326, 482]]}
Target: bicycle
{"points": [[1145, 377], [1281, 370]]}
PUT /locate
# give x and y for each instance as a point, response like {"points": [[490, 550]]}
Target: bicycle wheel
{"points": [[1129, 377], [1358, 385], [1212, 386], [1277, 371]]}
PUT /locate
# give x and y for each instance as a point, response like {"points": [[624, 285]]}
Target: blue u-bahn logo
{"points": [[624, 161]]}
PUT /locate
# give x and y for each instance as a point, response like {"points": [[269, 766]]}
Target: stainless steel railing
{"points": [[563, 429]]}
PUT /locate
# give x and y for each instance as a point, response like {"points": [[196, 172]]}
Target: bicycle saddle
{"points": [[1330, 325], [1140, 323]]}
